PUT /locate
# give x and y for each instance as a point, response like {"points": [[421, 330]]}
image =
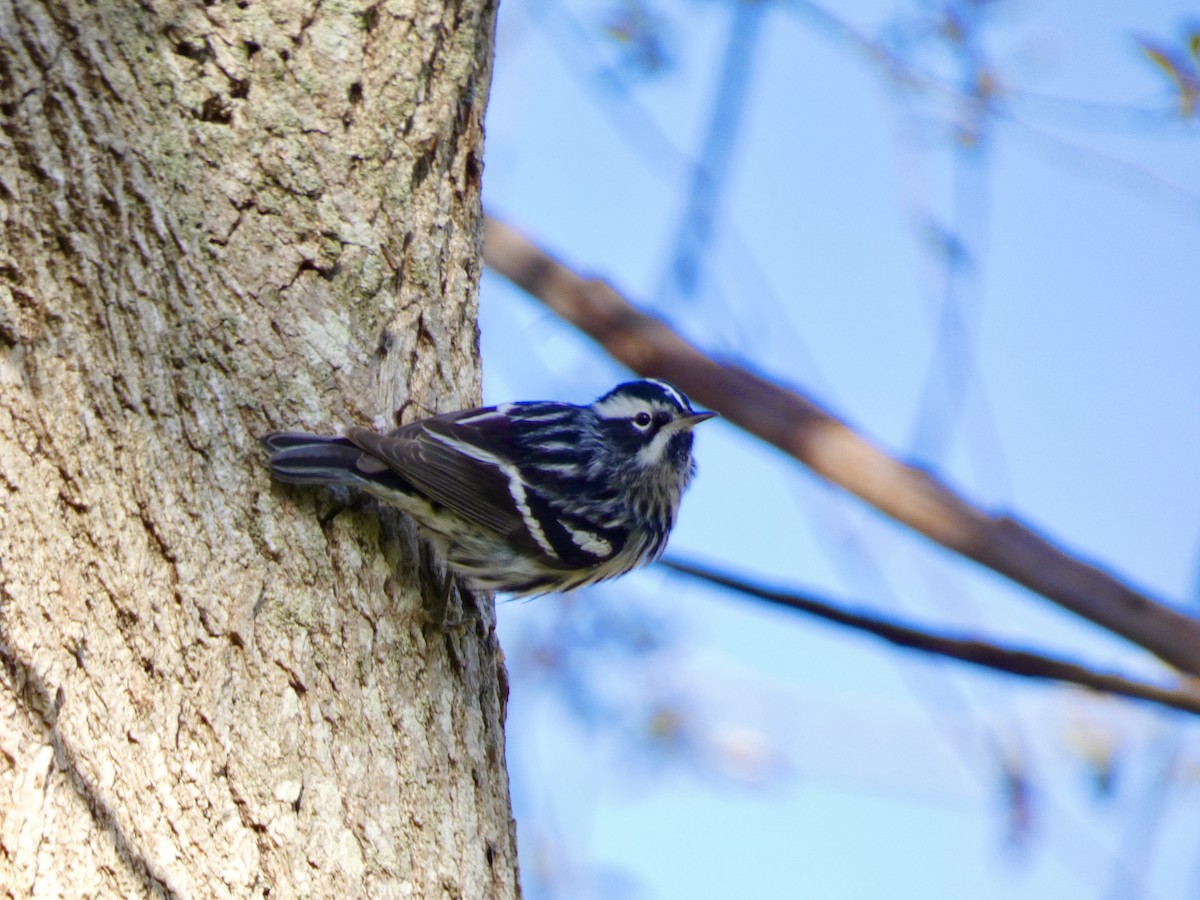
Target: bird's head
{"points": [[649, 423]]}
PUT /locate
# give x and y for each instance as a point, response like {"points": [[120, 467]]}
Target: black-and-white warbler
{"points": [[523, 497]]}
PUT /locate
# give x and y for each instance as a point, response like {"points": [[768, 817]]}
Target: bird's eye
{"points": [[642, 420]]}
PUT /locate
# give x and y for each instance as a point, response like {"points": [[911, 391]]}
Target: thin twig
{"points": [[800, 427], [974, 652]]}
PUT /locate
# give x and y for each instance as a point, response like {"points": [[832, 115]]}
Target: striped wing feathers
{"points": [[464, 462]]}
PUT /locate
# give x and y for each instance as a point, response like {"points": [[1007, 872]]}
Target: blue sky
{"points": [[805, 761]]}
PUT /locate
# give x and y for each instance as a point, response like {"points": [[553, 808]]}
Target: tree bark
{"points": [[218, 220]]}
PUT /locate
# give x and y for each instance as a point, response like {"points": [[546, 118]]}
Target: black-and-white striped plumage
{"points": [[523, 497]]}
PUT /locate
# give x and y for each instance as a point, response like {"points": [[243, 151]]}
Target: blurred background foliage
{"points": [[971, 229]]}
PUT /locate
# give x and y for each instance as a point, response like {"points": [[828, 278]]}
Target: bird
{"points": [[525, 498]]}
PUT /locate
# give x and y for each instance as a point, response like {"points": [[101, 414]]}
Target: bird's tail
{"points": [[298, 458]]}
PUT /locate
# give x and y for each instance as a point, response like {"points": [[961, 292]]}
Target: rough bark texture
{"points": [[216, 220]]}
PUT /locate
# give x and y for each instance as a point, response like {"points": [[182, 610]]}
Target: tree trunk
{"points": [[218, 220]]}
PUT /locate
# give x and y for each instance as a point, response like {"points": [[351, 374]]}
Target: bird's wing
{"points": [[464, 462]]}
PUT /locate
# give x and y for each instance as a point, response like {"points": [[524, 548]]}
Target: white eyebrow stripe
{"points": [[622, 407], [516, 486]]}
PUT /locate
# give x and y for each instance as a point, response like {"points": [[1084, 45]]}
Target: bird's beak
{"points": [[687, 423]]}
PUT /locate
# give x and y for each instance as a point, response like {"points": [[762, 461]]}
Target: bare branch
{"points": [[974, 652], [800, 427]]}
